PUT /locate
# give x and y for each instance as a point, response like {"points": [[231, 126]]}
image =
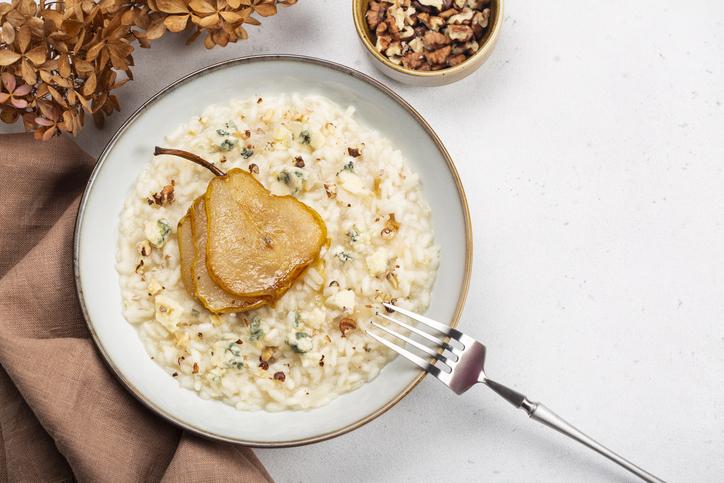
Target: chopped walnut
{"points": [[391, 227], [299, 162], [253, 168], [434, 40], [413, 33], [438, 56], [279, 376], [407, 33], [417, 45], [464, 17], [392, 28], [143, 248], [471, 46], [163, 197], [477, 4], [446, 14], [424, 19], [375, 13], [437, 23], [437, 4], [331, 190], [456, 60], [395, 49], [346, 324], [413, 60], [354, 152], [460, 33], [381, 29], [383, 42]]}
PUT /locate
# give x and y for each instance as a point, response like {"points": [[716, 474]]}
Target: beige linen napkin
{"points": [[63, 416]]}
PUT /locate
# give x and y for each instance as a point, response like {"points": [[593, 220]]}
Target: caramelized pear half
{"points": [[258, 243], [206, 291], [186, 251]]}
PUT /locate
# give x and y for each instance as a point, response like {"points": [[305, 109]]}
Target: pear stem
{"points": [[191, 157]]}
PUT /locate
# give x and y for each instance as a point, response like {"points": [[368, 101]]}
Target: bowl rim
{"points": [[487, 47], [169, 88]]}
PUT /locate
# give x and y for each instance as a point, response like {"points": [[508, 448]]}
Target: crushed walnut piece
{"points": [[331, 190], [143, 248], [164, 197], [428, 34], [346, 324], [390, 228]]}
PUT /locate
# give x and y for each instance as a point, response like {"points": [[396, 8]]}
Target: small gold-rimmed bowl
{"points": [[429, 78]]}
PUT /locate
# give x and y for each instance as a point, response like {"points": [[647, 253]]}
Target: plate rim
{"points": [[170, 88]]}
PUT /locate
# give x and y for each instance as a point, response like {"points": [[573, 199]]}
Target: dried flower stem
{"points": [[191, 157]]}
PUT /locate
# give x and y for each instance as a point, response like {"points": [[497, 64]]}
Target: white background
{"points": [[591, 145]]}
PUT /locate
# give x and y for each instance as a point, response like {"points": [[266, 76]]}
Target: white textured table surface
{"points": [[591, 146]]}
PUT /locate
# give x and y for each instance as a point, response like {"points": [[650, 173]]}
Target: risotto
{"points": [[309, 346]]}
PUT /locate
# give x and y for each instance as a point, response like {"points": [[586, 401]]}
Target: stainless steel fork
{"points": [[458, 363]]}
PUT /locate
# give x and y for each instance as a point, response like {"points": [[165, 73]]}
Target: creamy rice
{"points": [[218, 356]]}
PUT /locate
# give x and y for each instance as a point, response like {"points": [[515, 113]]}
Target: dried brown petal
{"points": [[156, 30], [265, 8], [23, 37], [8, 57], [201, 6], [7, 34], [172, 6], [176, 23]]}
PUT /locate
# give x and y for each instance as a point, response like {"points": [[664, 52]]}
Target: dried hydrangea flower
{"points": [[69, 54]]}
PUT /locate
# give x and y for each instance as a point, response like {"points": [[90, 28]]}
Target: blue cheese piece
{"points": [[300, 342], [158, 232]]}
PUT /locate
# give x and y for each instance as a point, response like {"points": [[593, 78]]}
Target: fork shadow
{"points": [[430, 418]]}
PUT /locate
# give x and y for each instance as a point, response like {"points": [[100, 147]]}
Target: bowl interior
{"points": [[367, 37], [123, 160]]}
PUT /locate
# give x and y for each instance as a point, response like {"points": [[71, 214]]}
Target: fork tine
{"points": [[449, 331], [419, 332], [417, 360], [413, 343]]}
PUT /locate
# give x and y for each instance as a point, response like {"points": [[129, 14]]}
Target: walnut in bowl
{"points": [[428, 42]]}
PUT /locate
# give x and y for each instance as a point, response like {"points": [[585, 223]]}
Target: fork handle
{"points": [[539, 412]]}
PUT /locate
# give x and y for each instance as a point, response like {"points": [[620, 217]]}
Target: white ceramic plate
{"points": [[131, 148]]}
